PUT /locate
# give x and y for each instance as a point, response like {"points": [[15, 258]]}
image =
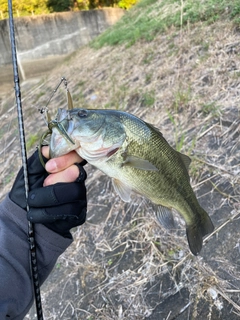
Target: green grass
{"points": [[148, 99], [150, 17], [9, 178], [32, 141], [211, 108]]}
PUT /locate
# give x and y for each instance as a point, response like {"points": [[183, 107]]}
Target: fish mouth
{"points": [[61, 129], [61, 141], [64, 124], [60, 145]]}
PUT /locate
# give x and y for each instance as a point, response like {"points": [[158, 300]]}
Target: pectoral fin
{"points": [[165, 217], [122, 190], [139, 163]]}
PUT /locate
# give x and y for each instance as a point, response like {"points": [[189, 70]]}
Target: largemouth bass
{"points": [[137, 158]]}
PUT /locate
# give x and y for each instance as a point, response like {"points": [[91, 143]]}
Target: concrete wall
{"points": [[45, 37]]}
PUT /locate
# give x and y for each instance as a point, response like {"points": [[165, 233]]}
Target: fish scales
{"points": [[137, 157], [157, 153]]}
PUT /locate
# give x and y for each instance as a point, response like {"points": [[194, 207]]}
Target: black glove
{"points": [[60, 206]]}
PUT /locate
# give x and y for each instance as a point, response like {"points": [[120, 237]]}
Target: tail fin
{"points": [[197, 230]]}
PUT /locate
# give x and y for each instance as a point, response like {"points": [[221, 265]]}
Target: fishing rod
{"points": [[31, 235]]}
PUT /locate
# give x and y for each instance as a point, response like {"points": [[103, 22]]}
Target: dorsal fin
{"points": [[185, 159], [154, 128]]}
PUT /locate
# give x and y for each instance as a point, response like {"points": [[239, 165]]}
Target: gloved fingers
{"points": [[83, 163], [82, 173], [36, 176], [64, 226], [72, 214], [34, 164], [57, 194], [36, 171], [60, 226]]}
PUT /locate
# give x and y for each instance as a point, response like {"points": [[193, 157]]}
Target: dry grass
{"points": [[122, 264]]}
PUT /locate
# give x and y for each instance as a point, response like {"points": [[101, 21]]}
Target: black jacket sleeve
{"points": [[16, 295]]}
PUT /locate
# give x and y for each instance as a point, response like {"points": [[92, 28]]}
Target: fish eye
{"points": [[82, 113]]}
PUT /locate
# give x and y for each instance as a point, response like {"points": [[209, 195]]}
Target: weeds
{"points": [[149, 17], [38, 96], [148, 99], [179, 105], [9, 178], [31, 141], [211, 108]]}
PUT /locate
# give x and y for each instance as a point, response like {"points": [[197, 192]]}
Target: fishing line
{"points": [[31, 238]]}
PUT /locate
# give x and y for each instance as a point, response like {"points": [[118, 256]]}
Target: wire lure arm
{"points": [[55, 123]]}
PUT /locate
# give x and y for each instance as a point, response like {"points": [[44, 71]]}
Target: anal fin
{"points": [[165, 217]]}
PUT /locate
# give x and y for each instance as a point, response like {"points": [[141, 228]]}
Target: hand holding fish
{"points": [[61, 169], [57, 200]]}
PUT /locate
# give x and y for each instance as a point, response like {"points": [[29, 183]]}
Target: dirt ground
{"points": [[123, 264]]}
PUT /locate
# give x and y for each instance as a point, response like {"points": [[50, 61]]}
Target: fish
{"points": [[136, 156]]}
